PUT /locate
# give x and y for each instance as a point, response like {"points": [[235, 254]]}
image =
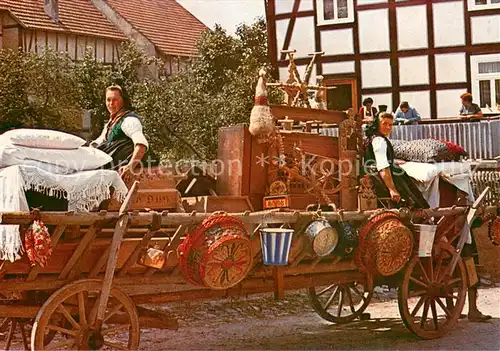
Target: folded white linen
{"points": [[80, 159]]}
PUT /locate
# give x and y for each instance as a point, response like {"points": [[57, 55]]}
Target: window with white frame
{"points": [[483, 4], [486, 80], [334, 11]]}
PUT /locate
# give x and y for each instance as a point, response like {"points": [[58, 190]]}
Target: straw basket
{"points": [[276, 244], [217, 254], [385, 245]]}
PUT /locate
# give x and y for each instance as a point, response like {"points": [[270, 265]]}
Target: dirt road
{"points": [[292, 325]]}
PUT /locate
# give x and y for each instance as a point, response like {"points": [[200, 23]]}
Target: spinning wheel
{"points": [[325, 176]]}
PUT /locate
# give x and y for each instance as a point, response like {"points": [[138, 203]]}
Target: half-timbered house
{"points": [[162, 28], [424, 52]]}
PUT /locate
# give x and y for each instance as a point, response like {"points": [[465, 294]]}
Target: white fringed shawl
{"points": [[83, 190]]}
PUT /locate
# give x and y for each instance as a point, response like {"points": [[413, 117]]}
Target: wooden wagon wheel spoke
{"points": [[115, 328], [61, 330], [426, 277], [416, 281], [120, 316], [68, 316], [417, 307], [113, 311], [341, 302], [357, 299], [422, 316], [326, 289], [81, 309], [115, 345], [443, 307], [434, 314], [349, 298], [332, 298]]}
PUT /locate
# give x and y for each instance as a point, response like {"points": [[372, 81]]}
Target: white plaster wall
{"points": [[485, 29], [337, 42], [306, 5], [448, 102], [303, 37], [412, 27], [338, 67], [375, 73], [285, 6], [81, 48], [373, 30], [100, 50], [40, 41], [420, 100], [61, 42], [380, 99], [281, 28], [449, 24], [451, 68], [414, 70], [71, 46], [52, 40], [109, 51]]}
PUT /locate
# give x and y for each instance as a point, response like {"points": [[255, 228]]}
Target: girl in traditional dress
{"points": [[390, 180], [122, 137]]}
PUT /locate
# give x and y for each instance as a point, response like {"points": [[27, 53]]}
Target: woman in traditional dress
{"points": [[122, 137], [368, 111], [390, 180]]}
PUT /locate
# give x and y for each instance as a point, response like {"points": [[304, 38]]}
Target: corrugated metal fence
{"points": [[480, 139]]}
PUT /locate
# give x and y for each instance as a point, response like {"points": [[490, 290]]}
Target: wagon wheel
{"points": [[325, 176], [430, 300], [77, 303], [11, 324], [342, 303]]}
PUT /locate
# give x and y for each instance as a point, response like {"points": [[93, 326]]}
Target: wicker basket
{"points": [[217, 254], [385, 245]]}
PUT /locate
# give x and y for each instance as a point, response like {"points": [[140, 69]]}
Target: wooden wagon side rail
{"points": [[267, 217]]}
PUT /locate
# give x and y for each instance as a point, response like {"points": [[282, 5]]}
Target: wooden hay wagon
{"points": [[87, 295]]}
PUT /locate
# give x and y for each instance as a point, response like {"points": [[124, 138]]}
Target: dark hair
{"points": [[127, 103], [372, 129], [466, 97], [367, 101], [404, 104]]}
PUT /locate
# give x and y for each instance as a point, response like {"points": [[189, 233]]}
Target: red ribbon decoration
{"points": [[261, 101]]}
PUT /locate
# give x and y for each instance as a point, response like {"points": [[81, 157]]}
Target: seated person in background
{"points": [[390, 180], [367, 112], [468, 107], [405, 114], [122, 137]]}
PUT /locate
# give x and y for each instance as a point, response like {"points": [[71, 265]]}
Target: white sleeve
{"points": [[380, 151], [132, 128], [101, 137]]}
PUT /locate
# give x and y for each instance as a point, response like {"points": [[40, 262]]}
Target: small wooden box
{"points": [[154, 199]]}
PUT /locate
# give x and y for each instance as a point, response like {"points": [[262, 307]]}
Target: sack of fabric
{"points": [[428, 150], [41, 138], [261, 118], [80, 159]]}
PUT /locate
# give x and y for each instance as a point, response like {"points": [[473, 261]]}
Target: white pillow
{"points": [[81, 159], [42, 138]]}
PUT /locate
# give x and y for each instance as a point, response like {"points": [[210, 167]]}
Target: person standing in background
{"points": [[368, 112]]}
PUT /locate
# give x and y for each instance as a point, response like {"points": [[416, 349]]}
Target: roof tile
{"points": [[75, 16], [168, 25]]}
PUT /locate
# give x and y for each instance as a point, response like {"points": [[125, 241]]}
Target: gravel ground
{"points": [[261, 323]]}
